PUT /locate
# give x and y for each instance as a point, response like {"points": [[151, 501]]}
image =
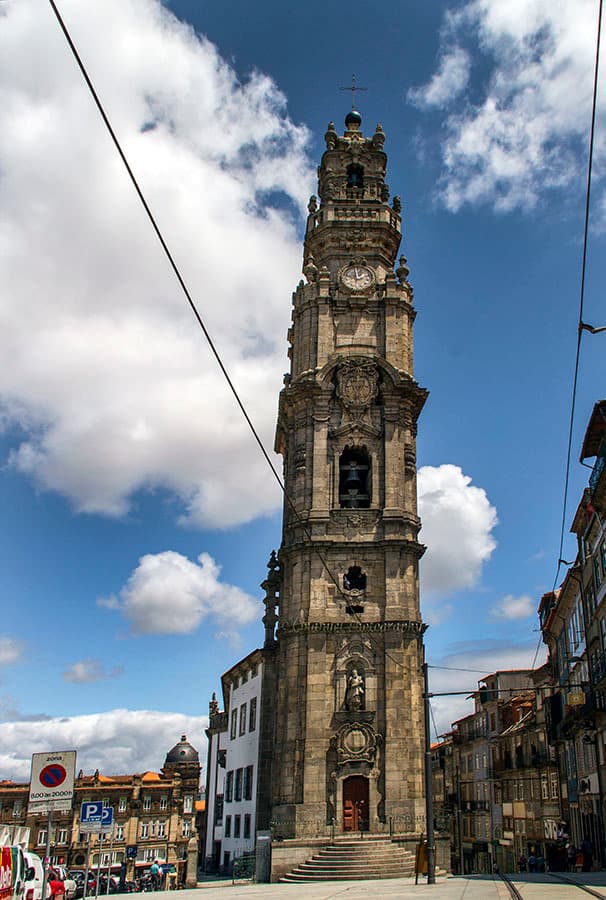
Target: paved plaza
{"points": [[474, 887]]}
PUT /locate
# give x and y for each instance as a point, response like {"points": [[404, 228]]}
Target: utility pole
{"points": [[431, 850], [46, 865]]}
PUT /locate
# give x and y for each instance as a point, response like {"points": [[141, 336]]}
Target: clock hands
{"points": [[357, 277]]}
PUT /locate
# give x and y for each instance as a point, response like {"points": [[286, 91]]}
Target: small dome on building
{"points": [[183, 752], [353, 119]]}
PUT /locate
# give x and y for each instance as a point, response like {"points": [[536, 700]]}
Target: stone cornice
{"points": [[293, 544], [402, 626]]}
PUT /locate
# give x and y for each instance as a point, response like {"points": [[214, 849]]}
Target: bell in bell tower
{"points": [[347, 744]]}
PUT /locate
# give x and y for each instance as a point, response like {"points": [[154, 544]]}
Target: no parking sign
{"points": [[52, 781]]}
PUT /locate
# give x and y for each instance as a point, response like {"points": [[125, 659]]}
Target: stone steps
{"points": [[350, 860], [318, 862], [375, 859], [293, 878]]}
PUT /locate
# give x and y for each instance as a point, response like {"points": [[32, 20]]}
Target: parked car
{"points": [[69, 883], [91, 887]]}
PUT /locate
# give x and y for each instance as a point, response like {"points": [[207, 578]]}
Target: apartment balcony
{"points": [[525, 761], [576, 716], [475, 806], [598, 670], [596, 475], [542, 758], [479, 806], [466, 737]]}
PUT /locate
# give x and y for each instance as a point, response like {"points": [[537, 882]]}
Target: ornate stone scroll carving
{"points": [[357, 387], [356, 742]]}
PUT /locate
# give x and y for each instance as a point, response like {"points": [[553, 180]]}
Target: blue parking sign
{"points": [[107, 821], [91, 812]]}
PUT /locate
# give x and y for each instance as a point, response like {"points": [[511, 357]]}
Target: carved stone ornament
{"points": [[410, 459], [406, 626], [356, 742], [359, 521], [357, 384]]}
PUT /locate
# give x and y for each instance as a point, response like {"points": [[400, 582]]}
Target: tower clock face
{"points": [[357, 278]]}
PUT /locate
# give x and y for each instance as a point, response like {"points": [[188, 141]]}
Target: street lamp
{"points": [[431, 849]]}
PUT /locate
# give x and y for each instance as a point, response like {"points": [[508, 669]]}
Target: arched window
{"points": [[354, 478], [354, 579], [354, 588], [355, 176]]}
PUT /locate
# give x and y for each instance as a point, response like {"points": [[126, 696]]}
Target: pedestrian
{"points": [[122, 881], [571, 854], [154, 871], [587, 852], [56, 886]]}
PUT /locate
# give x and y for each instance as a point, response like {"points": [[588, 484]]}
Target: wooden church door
{"points": [[355, 803]]}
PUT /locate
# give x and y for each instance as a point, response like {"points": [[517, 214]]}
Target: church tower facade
{"points": [[347, 740]]}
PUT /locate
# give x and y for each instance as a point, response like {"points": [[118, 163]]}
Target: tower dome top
{"points": [[183, 752], [353, 119]]}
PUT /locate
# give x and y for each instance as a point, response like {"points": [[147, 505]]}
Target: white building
{"points": [[233, 764]]}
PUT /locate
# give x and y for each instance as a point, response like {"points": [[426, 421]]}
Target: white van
{"points": [[33, 884]]}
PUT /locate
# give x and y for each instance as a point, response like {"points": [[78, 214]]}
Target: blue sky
{"points": [[139, 516]]}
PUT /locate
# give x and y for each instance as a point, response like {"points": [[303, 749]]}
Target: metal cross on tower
{"points": [[353, 88]]}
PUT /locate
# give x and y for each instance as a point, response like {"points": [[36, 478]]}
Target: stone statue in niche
{"points": [[354, 698]]}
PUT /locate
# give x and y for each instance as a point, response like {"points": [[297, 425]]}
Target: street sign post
{"points": [[51, 788], [52, 782], [109, 821]]}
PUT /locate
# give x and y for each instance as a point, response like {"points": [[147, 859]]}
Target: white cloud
{"points": [[511, 607], [436, 614], [458, 520], [104, 367], [169, 594], [464, 666], [87, 670], [10, 650], [120, 741], [524, 128], [447, 83]]}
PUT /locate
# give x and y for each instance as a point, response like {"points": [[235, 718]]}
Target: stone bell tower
{"points": [[347, 744]]}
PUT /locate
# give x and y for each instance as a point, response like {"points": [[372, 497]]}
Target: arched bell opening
{"points": [[355, 176], [354, 478]]}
